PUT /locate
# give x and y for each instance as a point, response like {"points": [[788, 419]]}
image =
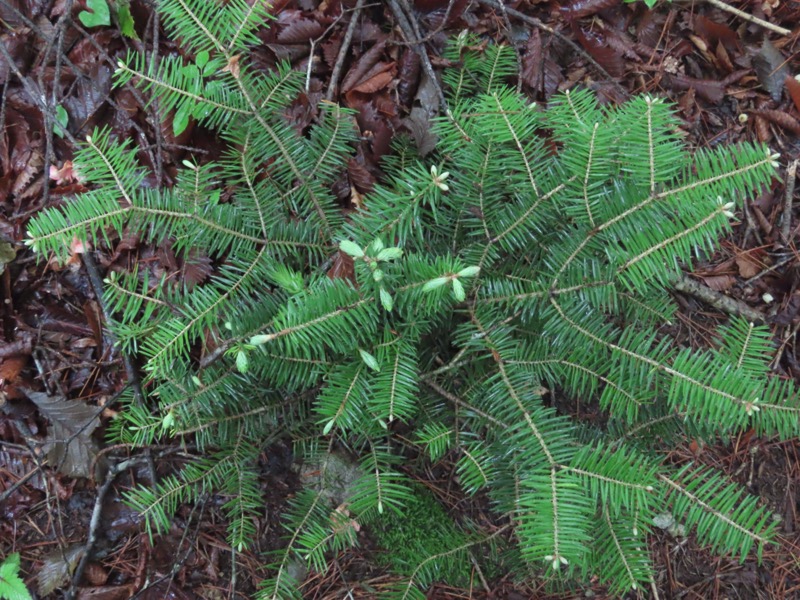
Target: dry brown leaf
{"points": [[233, 66], [749, 266], [301, 31], [719, 283], [64, 174], [376, 82], [793, 87]]}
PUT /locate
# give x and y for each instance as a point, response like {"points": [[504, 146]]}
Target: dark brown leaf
{"points": [[723, 58], [649, 28], [362, 66], [709, 90], [539, 71], [771, 69], [408, 76], [195, 269], [381, 75], [330, 50], [584, 8], [69, 438], [714, 32], [301, 31], [763, 132], [343, 268], [360, 176], [596, 44]]}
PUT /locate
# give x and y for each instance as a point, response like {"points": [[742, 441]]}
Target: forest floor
{"points": [[730, 77]]}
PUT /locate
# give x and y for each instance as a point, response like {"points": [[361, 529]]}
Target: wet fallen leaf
{"points": [[771, 69], [69, 444], [56, 568]]}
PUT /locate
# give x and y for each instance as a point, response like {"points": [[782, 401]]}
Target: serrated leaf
{"points": [[12, 587], [57, 567], [126, 23], [69, 442]]}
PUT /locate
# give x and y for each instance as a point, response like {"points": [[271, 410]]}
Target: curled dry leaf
{"points": [[64, 174], [719, 283]]}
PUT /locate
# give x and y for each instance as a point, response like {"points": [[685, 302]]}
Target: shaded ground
{"points": [[731, 80]]}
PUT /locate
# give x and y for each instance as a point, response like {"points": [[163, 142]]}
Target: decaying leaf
{"points": [[7, 254], [69, 439], [57, 568], [419, 121], [584, 8], [597, 45], [771, 69]]}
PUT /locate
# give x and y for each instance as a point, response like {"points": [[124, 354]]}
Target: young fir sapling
{"points": [[531, 251]]}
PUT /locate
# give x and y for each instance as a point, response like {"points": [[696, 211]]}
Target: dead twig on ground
{"points": [[540, 25], [17, 484], [348, 37], [94, 522], [517, 53], [410, 30], [130, 369], [749, 18], [786, 223], [732, 306]]}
